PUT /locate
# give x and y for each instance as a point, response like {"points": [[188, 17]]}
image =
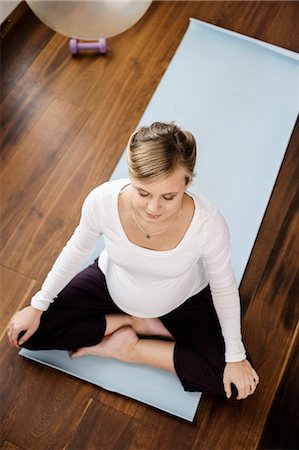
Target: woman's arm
{"points": [[226, 299], [215, 252]]}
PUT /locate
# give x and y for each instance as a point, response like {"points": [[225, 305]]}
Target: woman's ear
{"points": [[188, 180]]}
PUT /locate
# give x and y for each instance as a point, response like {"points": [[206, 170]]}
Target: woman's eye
{"points": [[142, 195], [168, 198]]}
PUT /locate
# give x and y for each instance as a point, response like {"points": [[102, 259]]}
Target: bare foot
{"points": [[150, 327], [118, 345]]}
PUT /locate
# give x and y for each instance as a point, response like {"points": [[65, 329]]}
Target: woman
{"points": [[162, 292]]}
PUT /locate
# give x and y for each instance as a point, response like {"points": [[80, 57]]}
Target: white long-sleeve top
{"points": [[148, 283]]}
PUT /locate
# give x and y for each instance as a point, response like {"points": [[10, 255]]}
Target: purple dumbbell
{"points": [[76, 46]]}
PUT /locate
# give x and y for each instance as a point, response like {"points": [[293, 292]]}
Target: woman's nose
{"points": [[153, 205]]}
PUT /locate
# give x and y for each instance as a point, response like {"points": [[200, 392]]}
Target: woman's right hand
{"points": [[28, 320]]}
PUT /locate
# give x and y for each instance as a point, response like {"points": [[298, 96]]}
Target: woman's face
{"points": [[156, 201]]}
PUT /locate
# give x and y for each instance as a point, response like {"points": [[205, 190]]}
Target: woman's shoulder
{"points": [[204, 208], [208, 216], [103, 196]]}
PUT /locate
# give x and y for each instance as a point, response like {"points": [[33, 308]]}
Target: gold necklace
{"points": [[148, 235]]}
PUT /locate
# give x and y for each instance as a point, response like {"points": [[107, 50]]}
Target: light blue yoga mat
{"points": [[240, 98]]}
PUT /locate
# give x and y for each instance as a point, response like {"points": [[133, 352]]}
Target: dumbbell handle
{"points": [[88, 45]]}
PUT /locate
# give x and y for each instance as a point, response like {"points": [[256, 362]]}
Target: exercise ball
{"points": [[90, 19]]}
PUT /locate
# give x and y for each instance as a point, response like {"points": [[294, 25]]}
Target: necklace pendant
{"points": [[147, 236]]}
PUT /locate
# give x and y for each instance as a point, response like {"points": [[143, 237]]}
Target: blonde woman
{"points": [[162, 292]]}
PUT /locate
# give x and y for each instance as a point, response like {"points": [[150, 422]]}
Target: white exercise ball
{"points": [[91, 19]]}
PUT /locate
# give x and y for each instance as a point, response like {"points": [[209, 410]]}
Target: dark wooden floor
{"points": [[65, 123]]}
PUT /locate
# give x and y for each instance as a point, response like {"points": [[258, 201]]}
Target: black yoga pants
{"points": [[77, 319]]}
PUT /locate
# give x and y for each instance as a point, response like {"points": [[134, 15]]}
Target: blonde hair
{"points": [[157, 150]]}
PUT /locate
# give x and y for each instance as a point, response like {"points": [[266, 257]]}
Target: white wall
{"points": [[6, 7]]}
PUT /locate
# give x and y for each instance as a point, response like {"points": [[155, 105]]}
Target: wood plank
{"points": [[42, 232], [103, 428], [43, 407], [159, 430], [59, 72], [19, 49], [281, 428], [19, 112], [123, 404], [36, 157], [269, 329], [278, 33], [17, 290], [50, 72], [10, 446]]}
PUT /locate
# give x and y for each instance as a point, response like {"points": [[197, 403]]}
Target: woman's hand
{"points": [[28, 320], [243, 376]]}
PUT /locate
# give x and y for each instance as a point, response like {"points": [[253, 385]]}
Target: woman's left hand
{"points": [[243, 376]]}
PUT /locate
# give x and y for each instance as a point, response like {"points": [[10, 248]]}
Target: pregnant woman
{"points": [[162, 292]]}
